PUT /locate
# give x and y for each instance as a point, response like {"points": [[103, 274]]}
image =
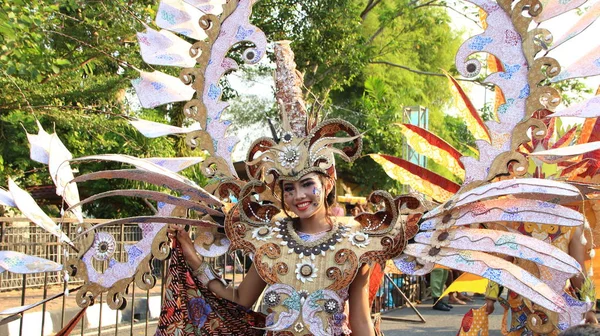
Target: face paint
{"points": [[317, 191]]}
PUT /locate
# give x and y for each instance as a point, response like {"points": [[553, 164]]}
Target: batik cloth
{"points": [[516, 308], [189, 308]]}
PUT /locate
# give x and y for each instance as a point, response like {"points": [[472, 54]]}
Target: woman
{"points": [[306, 199], [315, 270]]}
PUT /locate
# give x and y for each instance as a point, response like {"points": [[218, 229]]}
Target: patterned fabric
{"points": [[308, 237], [475, 323], [191, 309], [516, 309]]}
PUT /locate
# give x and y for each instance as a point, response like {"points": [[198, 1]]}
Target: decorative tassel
{"points": [[586, 225], [592, 253], [583, 240], [590, 272]]}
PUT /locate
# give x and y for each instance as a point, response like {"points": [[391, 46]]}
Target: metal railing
{"points": [[143, 307]]}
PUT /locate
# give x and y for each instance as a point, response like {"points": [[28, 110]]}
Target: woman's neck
{"points": [[313, 224]]}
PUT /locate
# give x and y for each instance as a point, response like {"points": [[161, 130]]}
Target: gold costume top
{"points": [[308, 281]]}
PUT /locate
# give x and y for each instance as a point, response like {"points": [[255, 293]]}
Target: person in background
{"points": [[437, 281], [336, 210]]}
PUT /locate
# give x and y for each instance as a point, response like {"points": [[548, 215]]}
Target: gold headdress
{"points": [[293, 156], [300, 149]]}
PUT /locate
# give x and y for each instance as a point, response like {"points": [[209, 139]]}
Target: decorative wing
{"points": [[517, 144]]}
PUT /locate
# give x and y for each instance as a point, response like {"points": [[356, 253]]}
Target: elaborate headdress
{"points": [[300, 148], [295, 156]]}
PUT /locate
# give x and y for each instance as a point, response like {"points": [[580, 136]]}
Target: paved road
{"points": [[437, 323]]}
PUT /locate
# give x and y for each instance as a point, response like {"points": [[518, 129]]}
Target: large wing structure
{"points": [[215, 27], [525, 166]]}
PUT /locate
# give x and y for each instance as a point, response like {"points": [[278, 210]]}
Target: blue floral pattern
{"points": [[524, 92], [492, 274], [478, 42], [510, 70], [198, 311], [243, 33]]}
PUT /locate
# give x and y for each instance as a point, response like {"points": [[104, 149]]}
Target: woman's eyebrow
{"points": [[306, 179]]}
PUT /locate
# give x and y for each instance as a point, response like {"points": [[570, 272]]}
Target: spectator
{"points": [[438, 278], [336, 210]]}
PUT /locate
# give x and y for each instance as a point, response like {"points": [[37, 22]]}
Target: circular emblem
{"points": [[331, 306], [272, 299], [306, 270]]}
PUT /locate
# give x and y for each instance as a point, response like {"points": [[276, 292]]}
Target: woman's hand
{"points": [[177, 231]]}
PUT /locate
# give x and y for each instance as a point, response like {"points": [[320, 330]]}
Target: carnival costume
{"points": [[308, 281]]}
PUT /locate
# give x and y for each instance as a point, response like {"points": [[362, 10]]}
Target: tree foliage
{"points": [[66, 63], [69, 63], [364, 60]]}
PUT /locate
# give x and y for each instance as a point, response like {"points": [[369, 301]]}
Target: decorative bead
{"points": [[331, 306], [272, 299], [306, 270], [434, 251], [443, 236]]}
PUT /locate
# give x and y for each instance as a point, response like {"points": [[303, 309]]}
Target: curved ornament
{"points": [[115, 278], [233, 30], [318, 304], [288, 297]]}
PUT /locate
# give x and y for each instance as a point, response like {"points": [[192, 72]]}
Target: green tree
{"points": [[67, 63], [365, 61]]}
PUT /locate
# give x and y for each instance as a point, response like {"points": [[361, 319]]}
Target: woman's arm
{"points": [[245, 294], [360, 310]]}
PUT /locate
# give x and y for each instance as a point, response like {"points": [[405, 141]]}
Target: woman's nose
{"points": [[300, 193]]}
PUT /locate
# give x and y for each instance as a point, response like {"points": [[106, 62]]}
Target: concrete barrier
{"points": [[32, 325], [107, 318]]}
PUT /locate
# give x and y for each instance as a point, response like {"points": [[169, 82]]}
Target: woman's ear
{"points": [[328, 185]]}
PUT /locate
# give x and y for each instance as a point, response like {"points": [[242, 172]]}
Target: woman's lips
{"points": [[303, 206]]}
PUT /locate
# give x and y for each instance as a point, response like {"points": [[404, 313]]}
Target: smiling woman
{"points": [[320, 272], [313, 269]]}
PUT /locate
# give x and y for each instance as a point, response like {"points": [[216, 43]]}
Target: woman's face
{"points": [[305, 197]]}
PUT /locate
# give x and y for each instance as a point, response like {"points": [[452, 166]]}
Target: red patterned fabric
{"points": [[191, 309]]}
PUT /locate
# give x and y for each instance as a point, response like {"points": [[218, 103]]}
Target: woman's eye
{"points": [[288, 189], [308, 184]]}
